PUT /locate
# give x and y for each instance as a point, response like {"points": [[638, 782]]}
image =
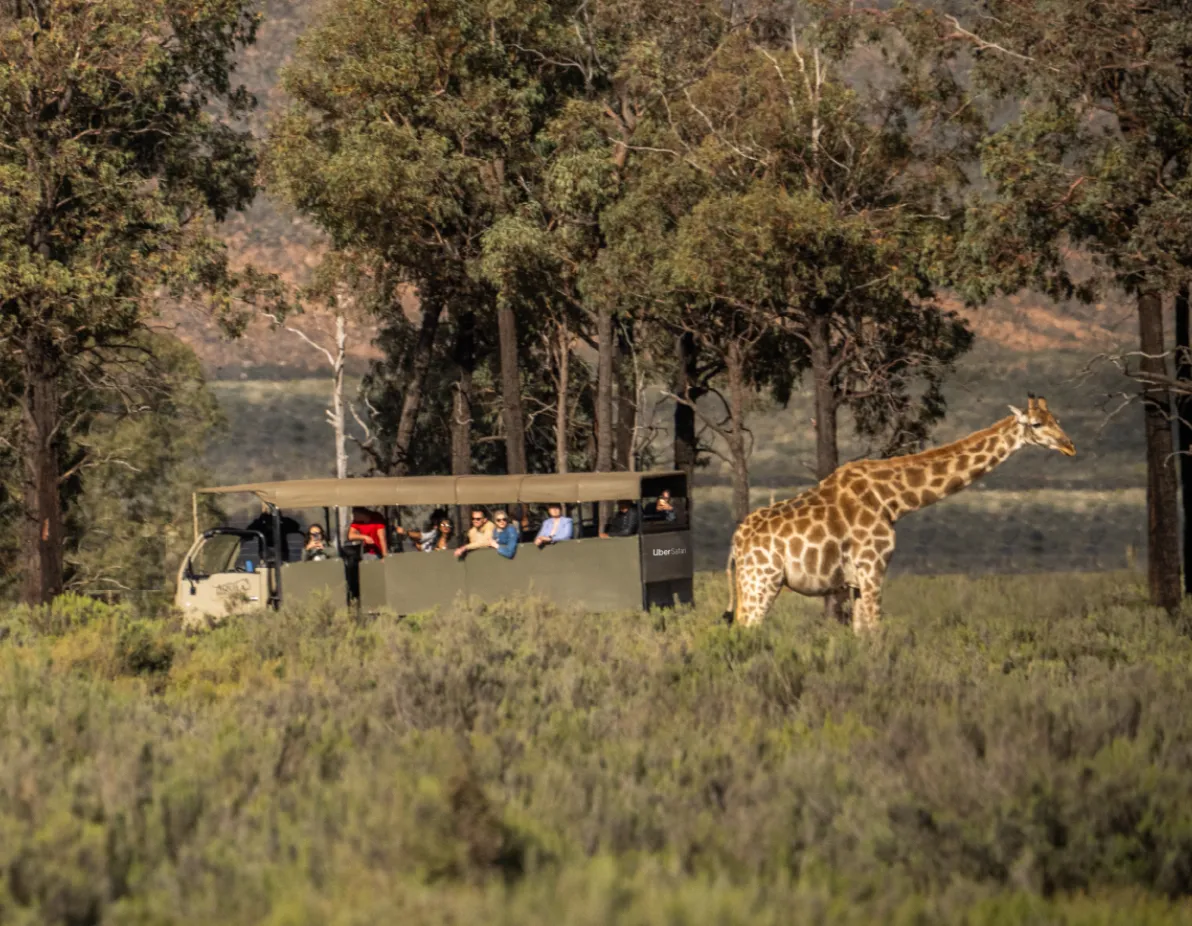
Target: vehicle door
{"points": [[224, 573]]}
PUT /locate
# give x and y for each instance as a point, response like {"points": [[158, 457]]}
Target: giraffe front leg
{"points": [[873, 557], [867, 610]]}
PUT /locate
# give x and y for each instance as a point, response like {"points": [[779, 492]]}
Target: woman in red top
{"points": [[368, 527]]}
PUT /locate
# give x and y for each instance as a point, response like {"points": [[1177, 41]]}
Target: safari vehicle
{"points": [[231, 569]]}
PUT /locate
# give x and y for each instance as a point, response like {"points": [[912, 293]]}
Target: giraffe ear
{"points": [[1019, 414]]}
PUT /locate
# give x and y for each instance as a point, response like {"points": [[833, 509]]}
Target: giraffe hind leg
{"points": [[756, 593], [732, 575], [867, 611]]}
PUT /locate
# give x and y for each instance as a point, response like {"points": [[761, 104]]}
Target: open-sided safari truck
{"points": [[231, 569]]}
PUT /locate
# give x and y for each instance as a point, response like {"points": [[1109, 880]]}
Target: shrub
{"points": [[999, 753]]}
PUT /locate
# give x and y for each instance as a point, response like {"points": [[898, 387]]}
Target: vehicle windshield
{"points": [[217, 554]]}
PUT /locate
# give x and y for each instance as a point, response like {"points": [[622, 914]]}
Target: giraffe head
{"points": [[1037, 425]]}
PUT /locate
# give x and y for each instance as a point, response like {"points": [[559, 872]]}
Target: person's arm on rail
{"points": [[505, 541]]}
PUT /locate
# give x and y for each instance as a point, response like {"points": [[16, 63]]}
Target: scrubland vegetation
{"points": [[1009, 750]]}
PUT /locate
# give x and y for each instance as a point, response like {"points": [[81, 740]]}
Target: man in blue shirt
{"points": [[555, 528]]}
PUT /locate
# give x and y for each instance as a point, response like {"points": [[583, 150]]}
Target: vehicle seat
{"points": [[293, 548], [250, 551]]}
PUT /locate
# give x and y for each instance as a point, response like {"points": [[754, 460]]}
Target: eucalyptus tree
{"points": [[410, 133], [1098, 158], [611, 62], [116, 149], [783, 196]]}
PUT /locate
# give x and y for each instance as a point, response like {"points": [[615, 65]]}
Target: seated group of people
{"points": [[501, 532]]}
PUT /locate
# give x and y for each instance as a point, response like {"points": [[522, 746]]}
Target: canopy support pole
{"points": [[194, 511]]}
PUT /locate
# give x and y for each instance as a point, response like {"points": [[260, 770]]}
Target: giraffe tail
{"points": [[730, 572]]}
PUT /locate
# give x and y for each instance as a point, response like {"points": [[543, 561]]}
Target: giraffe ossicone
{"points": [[840, 534]]}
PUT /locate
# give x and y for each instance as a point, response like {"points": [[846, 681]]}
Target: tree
{"points": [[411, 126], [1098, 159], [140, 458], [116, 149], [336, 283]]}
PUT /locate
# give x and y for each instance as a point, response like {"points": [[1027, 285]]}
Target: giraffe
{"points": [[840, 534]]}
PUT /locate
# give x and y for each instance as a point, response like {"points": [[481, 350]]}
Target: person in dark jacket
{"points": [[625, 522]]}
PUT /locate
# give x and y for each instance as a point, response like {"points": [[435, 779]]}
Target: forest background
{"points": [[650, 193]]}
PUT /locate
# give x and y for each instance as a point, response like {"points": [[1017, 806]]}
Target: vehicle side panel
{"points": [[594, 575], [601, 574], [415, 581], [304, 582]]}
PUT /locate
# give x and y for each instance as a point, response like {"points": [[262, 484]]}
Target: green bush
{"points": [[1008, 750]]}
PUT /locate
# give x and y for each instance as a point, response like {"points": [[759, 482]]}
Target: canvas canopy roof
{"points": [[460, 490]]}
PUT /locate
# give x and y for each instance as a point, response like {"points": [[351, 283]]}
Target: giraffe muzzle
{"points": [[1068, 449]]}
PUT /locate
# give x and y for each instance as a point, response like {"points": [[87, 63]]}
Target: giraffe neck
{"points": [[924, 478]]}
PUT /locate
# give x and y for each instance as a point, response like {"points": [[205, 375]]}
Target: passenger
{"points": [[369, 528], [624, 522], [555, 528], [505, 536], [662, 509], [480, 534], [315, 548], [437, 535]]}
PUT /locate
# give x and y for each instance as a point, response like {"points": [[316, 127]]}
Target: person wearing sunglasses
{"points": [[316, 548], [506, 535], [480, 534], [437, 535]]}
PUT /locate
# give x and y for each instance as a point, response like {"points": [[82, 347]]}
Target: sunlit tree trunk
{"points": [[337, 414]]}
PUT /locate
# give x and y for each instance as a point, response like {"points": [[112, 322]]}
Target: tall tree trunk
{"points": [[43, 530], [412, 403], [337, 416], [511, 402], [827, 454], [461, 407], [626, 428], [684, 423], [464, 356], [1163, 542], [564, 349], [605, 348], [827, 451], [1183, 404], [738, 397]]}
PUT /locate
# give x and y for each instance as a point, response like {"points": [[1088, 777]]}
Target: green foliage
{"points": [[133, 518], [1098, 155], [1009, 750], [117, 151]]}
